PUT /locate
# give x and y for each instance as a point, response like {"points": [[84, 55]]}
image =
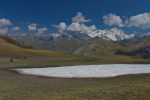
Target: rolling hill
{"points": [[136, 47], [94, 51], [98, 47], [11, 48], [64, 42]]}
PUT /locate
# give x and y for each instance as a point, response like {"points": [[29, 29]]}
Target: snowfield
{"points": [[88, 71]]}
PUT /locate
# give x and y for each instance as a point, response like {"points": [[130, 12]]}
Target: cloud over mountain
{"points": [[80, 18], [32, 27], [74, 27], [112, 19], [16, 28], [3, 31], [5, 22], [77, 25], [42, 30], [61, 26], [140, 21]]}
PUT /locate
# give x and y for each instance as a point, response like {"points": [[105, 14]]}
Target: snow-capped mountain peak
{"points": [[114, 34]]}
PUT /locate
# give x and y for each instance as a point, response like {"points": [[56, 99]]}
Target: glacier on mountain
{"points": [[113, 34]]}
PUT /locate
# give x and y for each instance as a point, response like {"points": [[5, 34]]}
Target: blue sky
{"points": [[46, 13]]}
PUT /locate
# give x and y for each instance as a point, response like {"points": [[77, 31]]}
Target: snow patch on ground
{"points": [[88, 71]]}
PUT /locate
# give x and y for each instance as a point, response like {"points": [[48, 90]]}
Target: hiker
{"points": [[24, 57], [11, 60]]}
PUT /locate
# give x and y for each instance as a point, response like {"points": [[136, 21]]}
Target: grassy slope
{"points": [[8, 49], [98, 47], [23, 87], [42, 58]]}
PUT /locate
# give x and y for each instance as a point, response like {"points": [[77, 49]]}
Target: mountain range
{"points": [[97, 43]]}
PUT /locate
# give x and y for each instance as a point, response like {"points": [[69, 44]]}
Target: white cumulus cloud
{"points": [[74, 27], [32, 27], [16, 28], [87, 29], [77, 25], [61, 27], [42, 30], [112, 19], [5, 22], [140, 21], [79, 18]]}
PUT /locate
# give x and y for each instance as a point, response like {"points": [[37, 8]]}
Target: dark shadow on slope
{"points": [[141, 52]]}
